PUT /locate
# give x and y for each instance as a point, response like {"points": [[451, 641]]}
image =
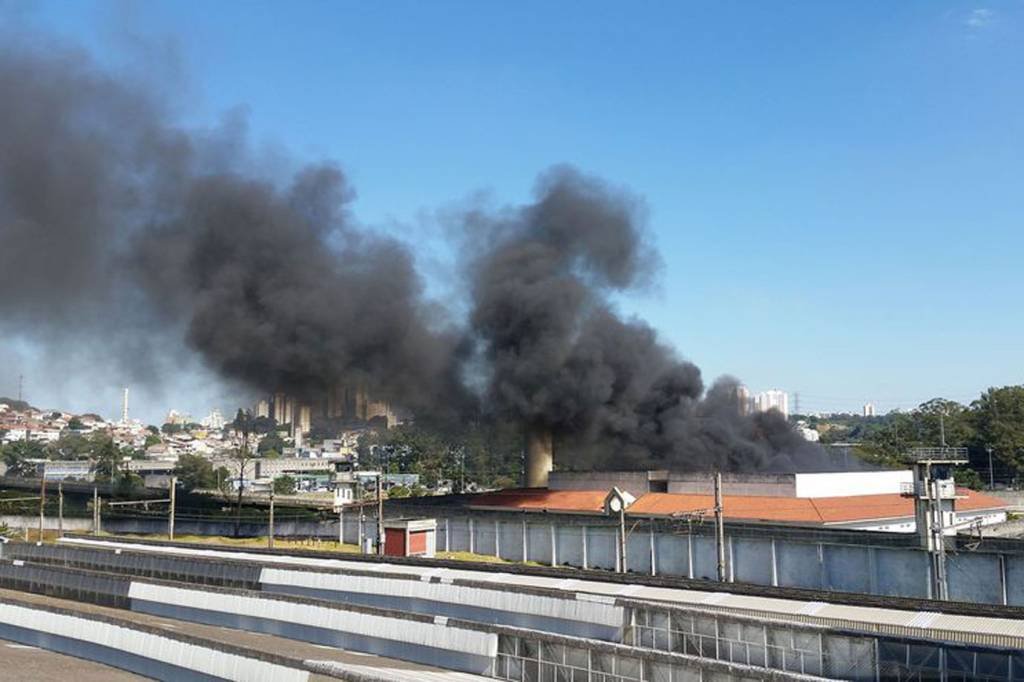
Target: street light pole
{"points": [[991, 472], [380, 518], [42, 503], [60, 509], [170, 519], [719, 528], [270, 529]]}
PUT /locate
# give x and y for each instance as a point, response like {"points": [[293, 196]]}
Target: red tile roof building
{"points": [[870, 512]]}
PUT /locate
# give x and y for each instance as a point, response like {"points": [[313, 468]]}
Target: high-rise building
{"points": [[869, 409], [280, 405], [214, 420], [263, 408], [124, 406], [284, 408], [772, 400], [304, 422], [743, 399]]}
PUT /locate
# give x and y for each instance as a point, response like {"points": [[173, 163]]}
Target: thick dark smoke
{"points": [[560, 357], [281, 292], [124, 233], [116, 224]]}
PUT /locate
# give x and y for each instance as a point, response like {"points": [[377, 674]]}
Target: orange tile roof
{"points": [[541, 499], [821, 510]]}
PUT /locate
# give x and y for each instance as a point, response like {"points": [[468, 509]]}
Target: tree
{"points": [[270, 442], [284, 485], [943, 421], [999, 420], [241, 455], [108, 458], [398, 491], [171, 429], [75, 424], [153, 430], [967, 477], [16, 455], [263, 425], [195, 472], [151, 440]]}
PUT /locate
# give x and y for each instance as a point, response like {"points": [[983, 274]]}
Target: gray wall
{"points": [[852, 562], [778, 485]]}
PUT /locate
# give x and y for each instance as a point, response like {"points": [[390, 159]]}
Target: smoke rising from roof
{"points": [[559, 356], [129, 235]]}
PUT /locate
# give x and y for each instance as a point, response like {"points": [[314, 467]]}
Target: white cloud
{"points": [[980, 18]]}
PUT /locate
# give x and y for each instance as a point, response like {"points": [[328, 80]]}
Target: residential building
{"points": [[772, 400]]}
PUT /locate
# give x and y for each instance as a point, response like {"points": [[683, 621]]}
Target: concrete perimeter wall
{"points": [[850, 561]]}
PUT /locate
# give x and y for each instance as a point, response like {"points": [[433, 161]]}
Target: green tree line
{"points": [[992, 424]]}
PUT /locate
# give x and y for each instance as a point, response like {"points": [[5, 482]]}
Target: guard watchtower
{"points": [[935, 496]]}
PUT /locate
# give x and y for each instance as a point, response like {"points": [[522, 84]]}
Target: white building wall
{"points": [[850, 483]]}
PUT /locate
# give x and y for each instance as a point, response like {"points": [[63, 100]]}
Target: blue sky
{"points": [[836, 188]]}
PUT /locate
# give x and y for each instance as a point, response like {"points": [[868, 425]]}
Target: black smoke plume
{"points": [[559, 357], [123, 232], [116, 224]]}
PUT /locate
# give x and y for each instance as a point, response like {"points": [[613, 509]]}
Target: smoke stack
{"points": [[539, 459]]}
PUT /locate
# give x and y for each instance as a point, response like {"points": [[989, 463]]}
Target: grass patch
{"points": [[279, 543]]}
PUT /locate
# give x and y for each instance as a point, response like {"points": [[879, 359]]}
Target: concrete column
{"points": [[526, 552], [1002, 578], [472, 540], [821, 566], [872, 571], [775, 566], [583, 537], [654, 558], [447, 535], [689, 555], [497, 538], [554, 547]]}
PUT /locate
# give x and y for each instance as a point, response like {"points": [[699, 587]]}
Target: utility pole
{"points": [[991, 471], [95, 511], [622, 537], [60, 509], [42, 503], [170, 519], [270, 529], [380, 518], [719, 528], [341, 526]]}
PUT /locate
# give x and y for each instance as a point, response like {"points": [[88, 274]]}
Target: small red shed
{"points": [[410, 537]]}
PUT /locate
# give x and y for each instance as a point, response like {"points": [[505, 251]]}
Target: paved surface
{"points": [[21, 662], [365, 664]]}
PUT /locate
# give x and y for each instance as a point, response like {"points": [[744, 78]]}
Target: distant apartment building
{"points": [[869, 409], [772, 400], [214, 420], [305, 422], [743, 399]]}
